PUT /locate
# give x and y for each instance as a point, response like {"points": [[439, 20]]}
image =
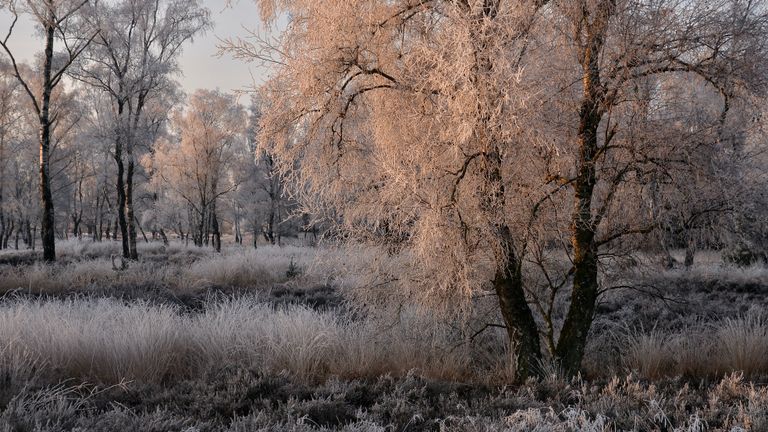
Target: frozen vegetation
{"points": [[271, 339], [442, 215]]}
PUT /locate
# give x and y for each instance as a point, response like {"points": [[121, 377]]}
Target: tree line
{"points": [[119, 152]]}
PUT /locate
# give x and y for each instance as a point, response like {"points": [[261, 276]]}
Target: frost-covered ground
{"points": [[264, 340]]}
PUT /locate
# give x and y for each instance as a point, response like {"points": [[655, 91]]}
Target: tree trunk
{"points": [[573, 336], [206, 236], [120, 187], [143, 234], [30, 239], [133, 125], [269, 235], [238, 233], [121, 223], [201, 228], [215, 232], [690, 250], [164, 237], [2, 176], [6, 236], [48, 224], [76, 226], [98, 229], [521, 326], [129, 214]]}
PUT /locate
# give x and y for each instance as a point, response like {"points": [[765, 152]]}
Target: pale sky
{"points": [[201, 67]]}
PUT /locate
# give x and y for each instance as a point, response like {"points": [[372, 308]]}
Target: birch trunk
{"points": [[48, 224]]}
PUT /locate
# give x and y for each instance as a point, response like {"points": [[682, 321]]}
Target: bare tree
{"points": [[195, 165], [132, 60], [10, 119]]}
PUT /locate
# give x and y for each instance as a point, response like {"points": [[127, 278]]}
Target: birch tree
{"points": [[133, 60], [10, 118], [474, 135], [17, 193], [57, 20], [269, 204], [195, 164]]}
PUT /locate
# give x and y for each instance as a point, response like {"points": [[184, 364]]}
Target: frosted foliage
{"points": [[406, 163], [195, 165], [435, 126]]}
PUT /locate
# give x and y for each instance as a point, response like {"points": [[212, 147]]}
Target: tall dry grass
{"points": [[177, 268], [710, 349], [110, 341]]}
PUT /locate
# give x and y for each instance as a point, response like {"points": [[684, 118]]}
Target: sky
{"points": [[199, 63]]}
